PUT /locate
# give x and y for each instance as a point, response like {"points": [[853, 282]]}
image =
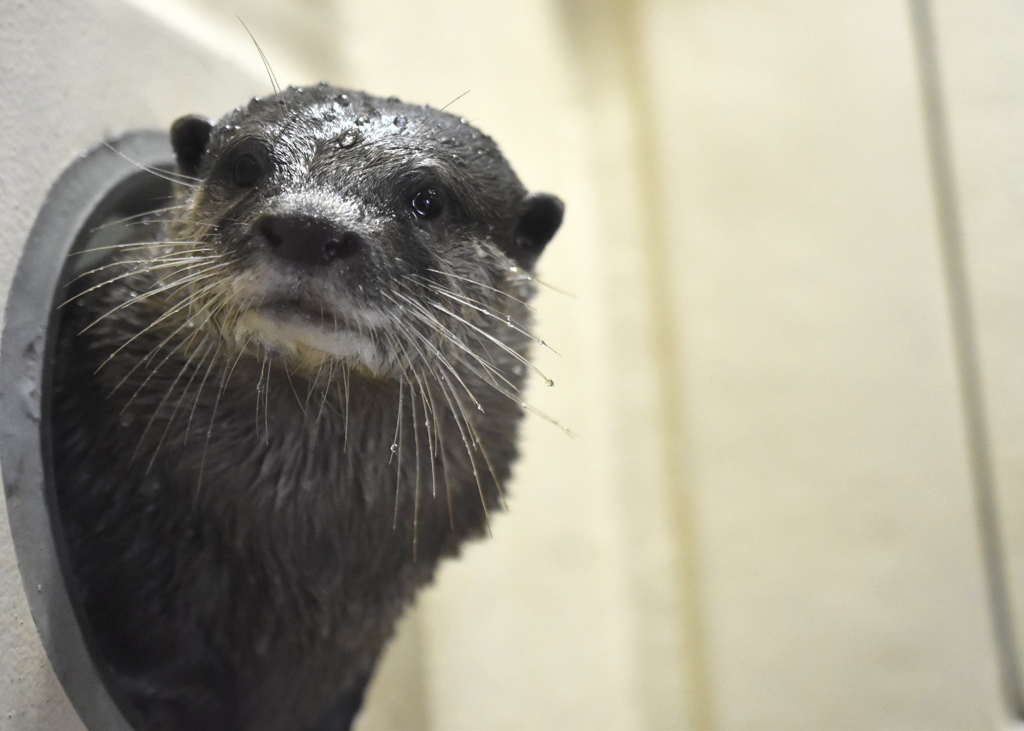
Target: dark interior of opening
{"points": [[96, 203], [122, 216]]}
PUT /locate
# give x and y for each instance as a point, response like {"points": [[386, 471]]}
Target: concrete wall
{"points": [[790, 350]]}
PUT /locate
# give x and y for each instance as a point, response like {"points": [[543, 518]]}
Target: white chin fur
{"points": [[299, 339]]}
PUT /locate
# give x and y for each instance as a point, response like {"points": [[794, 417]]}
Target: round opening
{"points": [[90, 207]]}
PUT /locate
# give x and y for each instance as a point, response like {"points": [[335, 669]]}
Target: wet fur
{"points": [[247, 515]]}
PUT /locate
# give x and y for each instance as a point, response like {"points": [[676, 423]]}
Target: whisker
{"points": [[456, 409], [396, 447], [152, 214], [131, 245], [160, 289], [173, 177], [468, 280], [482, 309], [151, 264], [213, 417], [454, 100], [266, 64], [188, 302], [490, 371]]}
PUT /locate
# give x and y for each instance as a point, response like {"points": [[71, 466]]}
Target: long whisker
{"points": [[173, 177], [456, 409], [151, 264], [144, 217], [486, 312], [489, 372], [396, 447], [475, 283], [155, 323], [114, 280], [130, 245], [266, 64], [213, 417]]}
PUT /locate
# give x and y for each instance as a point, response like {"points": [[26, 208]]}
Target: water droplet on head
{"points": [[362, 119], [349, 138], [399, 121], [342, 99]]}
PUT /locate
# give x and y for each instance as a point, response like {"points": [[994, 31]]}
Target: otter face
{"points": [[351, 228]]}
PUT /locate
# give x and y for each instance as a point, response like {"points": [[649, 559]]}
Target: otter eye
{"points": [[246, 171], [427, 203]]}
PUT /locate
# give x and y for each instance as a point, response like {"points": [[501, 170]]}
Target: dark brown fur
{"points": [[275, 415]]}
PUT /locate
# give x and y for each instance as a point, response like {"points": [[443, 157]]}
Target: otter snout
{"points": [[307, 240]]}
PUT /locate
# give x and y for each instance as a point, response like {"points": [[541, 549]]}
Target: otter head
{"points": [[342, 227]]}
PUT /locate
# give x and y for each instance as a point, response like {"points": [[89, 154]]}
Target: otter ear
{"points": [[540, 215], [189, 137]]}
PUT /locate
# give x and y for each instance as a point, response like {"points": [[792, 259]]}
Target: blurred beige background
{"points": [[788, 305]]}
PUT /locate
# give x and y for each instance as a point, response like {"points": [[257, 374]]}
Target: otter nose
{"points": [[308, 240]]}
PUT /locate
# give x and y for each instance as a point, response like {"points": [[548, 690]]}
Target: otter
{"points": [[279, 406]]}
